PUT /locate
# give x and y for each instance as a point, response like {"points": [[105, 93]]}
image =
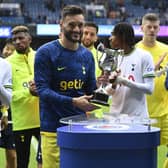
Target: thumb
{"points": [[88, 97]]}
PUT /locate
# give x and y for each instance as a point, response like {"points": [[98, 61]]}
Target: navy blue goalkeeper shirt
{"points": [[60, 75]]}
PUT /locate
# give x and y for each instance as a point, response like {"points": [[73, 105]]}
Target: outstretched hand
{"points": [[83, 103]]}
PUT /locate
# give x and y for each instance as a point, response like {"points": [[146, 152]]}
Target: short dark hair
{"points": [[71, 10], [150, 17], [20, 28], [125, 32], [92, 24]]}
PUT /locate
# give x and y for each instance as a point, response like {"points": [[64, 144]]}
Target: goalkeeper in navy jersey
{"points": [[65, 80]]}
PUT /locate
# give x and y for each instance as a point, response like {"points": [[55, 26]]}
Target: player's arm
{"points": [[6, 86], [4, 118], [116, 79], [161, 59], [146, 87], [5, 95]]}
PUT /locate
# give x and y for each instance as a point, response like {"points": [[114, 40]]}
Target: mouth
{"points": [[76, 35], [151, 35]]}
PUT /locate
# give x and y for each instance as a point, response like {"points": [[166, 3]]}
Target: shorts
{"points": [[50, 151], [7, 138], [162, 123]]}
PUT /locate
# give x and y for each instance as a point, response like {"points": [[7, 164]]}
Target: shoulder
{"points": [[4, 64], [13, 58], [139, 43], [142, 51], [48, 46], [84, 51], [143, 54], [47, 50], [161, 45]]}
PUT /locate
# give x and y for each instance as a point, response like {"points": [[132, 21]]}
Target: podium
{"points": [[108, 145]]}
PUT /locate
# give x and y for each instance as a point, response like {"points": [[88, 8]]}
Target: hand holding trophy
{"points": [[108, 62]]}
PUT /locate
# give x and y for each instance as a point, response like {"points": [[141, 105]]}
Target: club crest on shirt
{"points": [[83, 70], [133, 67]]}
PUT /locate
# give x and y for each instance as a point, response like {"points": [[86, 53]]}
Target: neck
{"points": [[128, 50], [68, 44], [149, 42], [90, 47]]}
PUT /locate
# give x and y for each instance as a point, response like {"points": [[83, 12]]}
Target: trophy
{"points": [[108, 63]]}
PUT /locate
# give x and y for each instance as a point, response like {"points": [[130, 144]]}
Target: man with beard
{"points": [[25, 103], [65, 80], [89, 38], [157, 102]]}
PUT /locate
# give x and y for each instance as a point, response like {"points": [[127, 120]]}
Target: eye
{"points": [[72, 25], [80, 25]]}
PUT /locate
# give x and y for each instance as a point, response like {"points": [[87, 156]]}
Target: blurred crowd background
{"points": [[102, 12], [107, 12]]}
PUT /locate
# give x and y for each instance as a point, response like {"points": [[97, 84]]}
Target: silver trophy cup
{"points": [[108, 62]]}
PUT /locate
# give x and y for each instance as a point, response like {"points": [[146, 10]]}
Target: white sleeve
{"points": [[6, 85], [146, 87]]}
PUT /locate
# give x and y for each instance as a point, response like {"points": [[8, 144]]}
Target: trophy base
{"points": [[100, 98]]}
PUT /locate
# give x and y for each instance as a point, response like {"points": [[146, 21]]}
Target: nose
{"points": [[17, 40], [76, 28], [152, 29]]}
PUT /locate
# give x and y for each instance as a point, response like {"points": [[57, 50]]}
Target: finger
{"points": [[118, 70]]}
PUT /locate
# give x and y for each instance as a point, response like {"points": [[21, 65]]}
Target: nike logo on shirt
{"points": [[60, 68]]}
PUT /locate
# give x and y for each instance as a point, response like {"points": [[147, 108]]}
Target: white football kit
{"points": [[5, 82], [137, 68]]}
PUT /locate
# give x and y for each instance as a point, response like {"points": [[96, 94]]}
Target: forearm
{"points": [[50, 95], [5, 95], [146, 87]]}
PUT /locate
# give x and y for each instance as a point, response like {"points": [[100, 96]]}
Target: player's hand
{"points": [[103, 79], [4, 122], [113, 77], [32, 88], [161, 59], [83, 103]]}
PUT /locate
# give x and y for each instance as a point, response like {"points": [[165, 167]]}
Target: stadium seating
{"points": [[37, 11]]}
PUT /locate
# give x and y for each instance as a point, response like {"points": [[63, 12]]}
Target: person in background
{"points": [[65, 80], [157, 102], [89, 38], [7, 139], [8, 49], [25, 103], [134, 76]]}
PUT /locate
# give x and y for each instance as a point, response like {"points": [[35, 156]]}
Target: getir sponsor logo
{"points": [[75, 84]]}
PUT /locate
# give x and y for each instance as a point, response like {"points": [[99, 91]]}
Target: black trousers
{"points": [[23, 141]]}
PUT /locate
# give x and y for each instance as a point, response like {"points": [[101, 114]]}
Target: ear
{"points": [[141, 28], [96, 38], [30, 38], [61, 24]]}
